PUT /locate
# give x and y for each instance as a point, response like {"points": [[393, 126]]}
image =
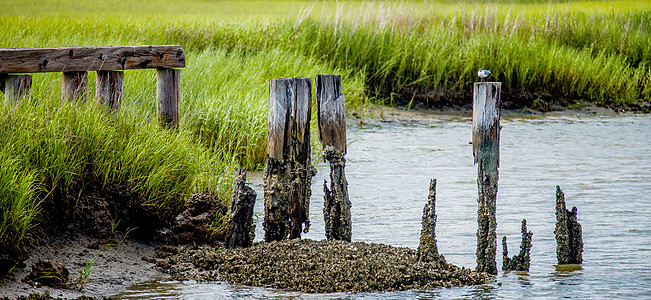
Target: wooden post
{"points": [[331, 113], [427, 249], [276, 173], [168, 94], [242, 230], [301, 163], [74, 86], [17, 86], [109, 86], [485, 144], [569, 236]]}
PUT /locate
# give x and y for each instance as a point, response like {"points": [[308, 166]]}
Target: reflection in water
{"points": [[601, 163]]}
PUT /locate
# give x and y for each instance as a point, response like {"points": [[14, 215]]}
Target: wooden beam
{"points": [[74, 86], [17, 86], [108, 89], [168, 94], [78, 59]]}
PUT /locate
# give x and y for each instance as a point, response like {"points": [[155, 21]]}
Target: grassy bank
{"points": [[547, 56]]}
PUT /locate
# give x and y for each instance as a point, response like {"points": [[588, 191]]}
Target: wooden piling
{"points": [[168, 94], [521, 261], [276, 175], [109, 87], [241, 227], [74, 86], [17, 86], [569, 236], [485, 143], [331, 114], [302, 170], [427, 249]]}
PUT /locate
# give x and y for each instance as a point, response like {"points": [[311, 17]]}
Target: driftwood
{"points": [[485, 143], [427, 249], [522, 261], [569, 236], [242, 229]]}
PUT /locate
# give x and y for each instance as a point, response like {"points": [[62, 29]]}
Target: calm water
{"points": [[603, 164]]}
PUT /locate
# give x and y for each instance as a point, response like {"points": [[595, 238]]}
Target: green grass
{"points": [[392, 52]]}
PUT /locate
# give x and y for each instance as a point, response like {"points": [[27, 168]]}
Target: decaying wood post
{"points": [[276, 174], [331, 112], [242, 229], [74, 85], [485, 144], [168, 96], [569, 236], [427, 249], [302, 170], [522, 261], [16, 87], [108, 90]]}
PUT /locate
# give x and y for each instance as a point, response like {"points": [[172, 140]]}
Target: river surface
{"points": [[602, 163]]}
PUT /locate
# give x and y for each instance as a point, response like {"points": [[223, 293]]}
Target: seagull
{"points": [[483, 73]]}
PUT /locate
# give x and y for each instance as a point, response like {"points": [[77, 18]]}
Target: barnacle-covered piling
{"points": [[569, 237], [241, 227], [427, 249], [522, 261]]}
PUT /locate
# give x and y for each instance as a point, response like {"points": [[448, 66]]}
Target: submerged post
{"points": [[569, 236], [168, 96], [242, 229], [17, 86], [276, 174], [521, 261], [302, 170], [331, 113], [485, 144], [427, 249], [108, 90], [74, 85]]}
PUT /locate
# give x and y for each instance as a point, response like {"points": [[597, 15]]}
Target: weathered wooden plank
{"points": [[485, 143], [168, 96], [331, 111], [74, 86], [108, 89], [77, 59], [17, 86]]}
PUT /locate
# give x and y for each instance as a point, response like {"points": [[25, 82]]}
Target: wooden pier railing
{"points": [[108, 62]]}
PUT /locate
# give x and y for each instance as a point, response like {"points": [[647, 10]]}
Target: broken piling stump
{"points": [[569, 237], [485, 143], [242, 229], [522, 261], [427, 249], [331, 112]]}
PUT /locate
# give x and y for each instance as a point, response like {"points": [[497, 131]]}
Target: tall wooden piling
{"points": [[302, 170], [569, 236], [168, 96], [485, 144], [109, 87], [331, 112], [276, 174], [17, 86], [74, 85]]}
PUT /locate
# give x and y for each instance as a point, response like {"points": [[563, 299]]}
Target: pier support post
{"points": [[569, 236], [242, 229], [485, 143], [522, 261], [74, 86], [168, 95], [427, 249], [109, 87], [276, 175], [16, 87], [331, 113]]}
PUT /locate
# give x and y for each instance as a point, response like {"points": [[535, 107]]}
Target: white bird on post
{"points": [[483, 73]]}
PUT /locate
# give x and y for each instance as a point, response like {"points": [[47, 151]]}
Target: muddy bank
{"points": [[321, 266]]}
